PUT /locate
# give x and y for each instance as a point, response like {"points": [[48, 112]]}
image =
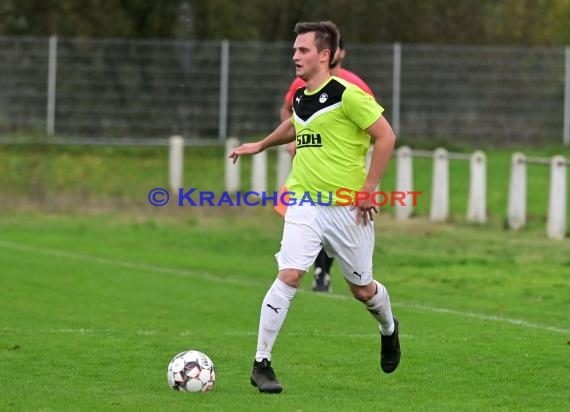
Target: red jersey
{"points": [[342, 73]]}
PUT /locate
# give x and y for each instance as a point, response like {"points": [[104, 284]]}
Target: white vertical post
{"points": [[404, 181], [396, 82], [176, 163], [259, 172], [440, 186], [232, 171], [516, 212], [51, 85], [477, 207], [283, 165], [224, 87], [556, 224], [566, 132]]}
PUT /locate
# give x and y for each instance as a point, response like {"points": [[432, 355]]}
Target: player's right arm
{"points": [[284, 133], [285, 113], [286, 110]]}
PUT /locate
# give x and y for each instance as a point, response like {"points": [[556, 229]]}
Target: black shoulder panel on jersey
{"points": [[305, 106]]}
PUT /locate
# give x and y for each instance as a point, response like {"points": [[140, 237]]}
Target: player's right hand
{"points": [[245, 149]]}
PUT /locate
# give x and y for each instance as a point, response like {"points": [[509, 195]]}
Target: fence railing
{"points": [[556, 225], [141, 89], [557, 203]]}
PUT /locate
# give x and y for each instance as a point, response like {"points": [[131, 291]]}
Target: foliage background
{"points": [[476, 22]]}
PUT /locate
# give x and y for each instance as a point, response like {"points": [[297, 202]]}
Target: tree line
{"points": [[469, 22]]}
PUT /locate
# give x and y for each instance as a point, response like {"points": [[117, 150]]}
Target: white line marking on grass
{"points": [[127, 264], [90, 331], [314, 333], [482, 316], [242, 282], [81, 331], [473, 315]]}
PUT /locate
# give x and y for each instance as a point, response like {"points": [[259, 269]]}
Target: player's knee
{"points": [[291, 277], [362, 293]]}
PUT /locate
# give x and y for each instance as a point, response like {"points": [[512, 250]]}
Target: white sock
{"points": [[379, 307], [273, 312]]}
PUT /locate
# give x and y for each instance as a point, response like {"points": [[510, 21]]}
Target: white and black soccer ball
{"points": [[191, 371]]}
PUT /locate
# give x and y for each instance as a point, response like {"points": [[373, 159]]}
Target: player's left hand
{"points": [[366, 210]]}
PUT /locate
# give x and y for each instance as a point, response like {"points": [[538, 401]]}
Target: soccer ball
{"points": [[191, 371]]}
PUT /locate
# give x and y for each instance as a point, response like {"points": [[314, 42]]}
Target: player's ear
{"points": [[325, 55]]}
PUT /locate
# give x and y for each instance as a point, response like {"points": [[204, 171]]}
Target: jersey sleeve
{"points": [[295, 85], [360, 107]]}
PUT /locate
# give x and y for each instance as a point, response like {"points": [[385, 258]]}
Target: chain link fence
{"points": [[93, 89]]}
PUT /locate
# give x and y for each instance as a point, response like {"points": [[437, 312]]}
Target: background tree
{"points": [[89, 18], [476, 22]]}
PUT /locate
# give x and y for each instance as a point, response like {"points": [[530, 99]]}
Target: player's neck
{"points": [[316, 81]]}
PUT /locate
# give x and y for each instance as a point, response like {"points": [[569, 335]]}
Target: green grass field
{"points": [[94, 306], [100, 290]]}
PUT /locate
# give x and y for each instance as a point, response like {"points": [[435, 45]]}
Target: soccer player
{"points": [[323, 263], [333, 121]]}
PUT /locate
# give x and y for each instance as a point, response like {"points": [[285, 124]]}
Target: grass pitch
{"points": [[94, 306]]}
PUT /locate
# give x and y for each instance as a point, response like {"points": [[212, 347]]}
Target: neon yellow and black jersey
{"points": [[332, 143]]}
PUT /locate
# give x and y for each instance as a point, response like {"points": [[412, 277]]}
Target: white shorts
{"points": [[309, 228]]}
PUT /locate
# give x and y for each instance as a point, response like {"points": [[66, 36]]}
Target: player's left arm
{"points": [[383, 141], [365, 112]]}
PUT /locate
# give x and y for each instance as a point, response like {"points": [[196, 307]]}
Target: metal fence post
{"points": [[396, 79], [224, 85], [51, 85], [566, 132]]}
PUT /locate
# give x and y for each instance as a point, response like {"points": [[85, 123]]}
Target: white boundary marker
{"points": [[176, 163], [229, 280]]}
